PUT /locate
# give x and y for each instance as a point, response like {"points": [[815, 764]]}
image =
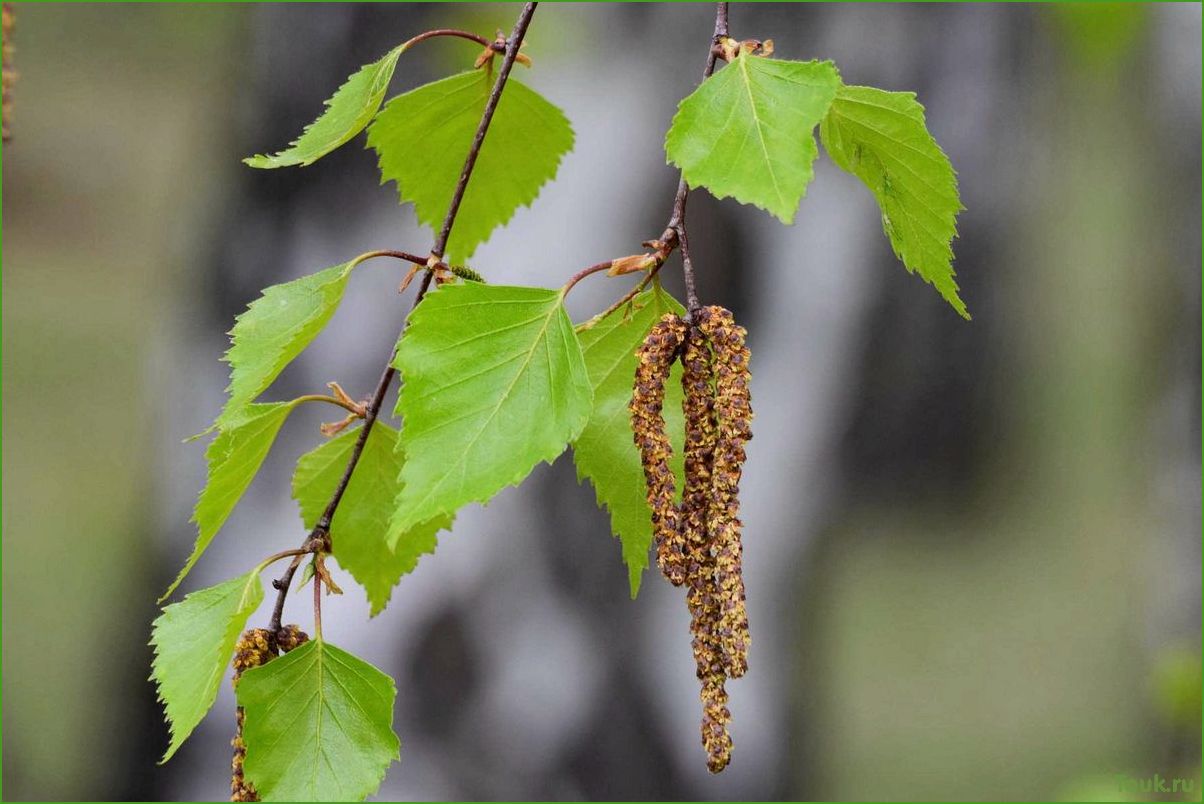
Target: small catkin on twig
{"points": [[254, 648], [656, 355]]}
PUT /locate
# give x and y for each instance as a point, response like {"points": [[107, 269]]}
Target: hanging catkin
{"points": [[699, 541], [254, 648], [733, 416], [656, 356], [702, 593]]}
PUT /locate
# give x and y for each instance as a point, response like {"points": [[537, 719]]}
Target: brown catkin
{"points": [[699, 414], [254, 648], [656, 355], [702, 596], [716, 739], [733, 417], [698, 543]]}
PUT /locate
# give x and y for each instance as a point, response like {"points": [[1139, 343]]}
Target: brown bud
{"points": [[656, 355]]}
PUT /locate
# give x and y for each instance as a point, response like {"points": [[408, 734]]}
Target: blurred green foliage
{"points": [[98, 211]]}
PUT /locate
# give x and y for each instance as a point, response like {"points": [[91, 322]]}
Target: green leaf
{"points": [[360, 527], [493, 383], [234, 457], [605, 452], [881, 138], [277, 327], [318, 725], [194, 640], [347, 112], [746, 131], [423, 137]]}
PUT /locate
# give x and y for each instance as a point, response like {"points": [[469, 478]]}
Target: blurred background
{"points": [[972, 549]]}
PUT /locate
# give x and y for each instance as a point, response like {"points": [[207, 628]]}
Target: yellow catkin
{"points": [[733, 417], [656, 355], [254, 648]]}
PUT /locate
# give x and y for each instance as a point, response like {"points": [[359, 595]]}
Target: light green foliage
{"points": [[493, 382], [275, 328], [605, 452], [746, 131], [194, 640], [361, 523], [319, 725], [347, 112], [423, 136], [881, 138], [234, 457]]}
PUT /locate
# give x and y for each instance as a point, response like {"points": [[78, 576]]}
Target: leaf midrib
{"points": [[742, 61], [462, 459]]}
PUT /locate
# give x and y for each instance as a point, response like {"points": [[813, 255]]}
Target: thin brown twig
{"points": [[294, 553], [319, 537], [401, 255], [675, 231], [512, 45], [480, 40], [333, 400], [584, 272], [674, 236]]}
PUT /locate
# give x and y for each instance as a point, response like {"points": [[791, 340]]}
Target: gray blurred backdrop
{"points": [[973, 549]]}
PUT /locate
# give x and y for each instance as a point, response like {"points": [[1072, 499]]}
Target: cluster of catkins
{"points": [[254, 648], [698, 539]]}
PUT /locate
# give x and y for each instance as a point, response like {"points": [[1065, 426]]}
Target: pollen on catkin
{"points": [[733, 417], [699, 413], [656, 355], [254, 648], [699, 541], [703, 595]]}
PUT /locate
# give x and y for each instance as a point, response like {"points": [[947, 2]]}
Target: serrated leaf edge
{"points": [[174, 745], [379, 86], [515, 479]]}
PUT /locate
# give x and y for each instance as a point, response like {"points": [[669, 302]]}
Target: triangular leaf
{"points": [[746, 131], [194, 640], [881, 138], [234, 457], [318, 725], [347, 112], [423, 137], [493, 383], [605, 451], [361, 523], [277, 327]]}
